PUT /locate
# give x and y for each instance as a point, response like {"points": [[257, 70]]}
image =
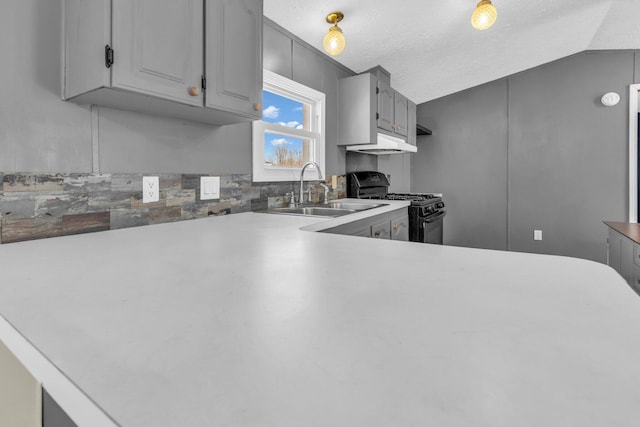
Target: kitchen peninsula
{"points": [[256, 320]]}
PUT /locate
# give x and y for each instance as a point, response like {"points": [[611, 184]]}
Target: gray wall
{"points": [[41, 133], [535, 150]]}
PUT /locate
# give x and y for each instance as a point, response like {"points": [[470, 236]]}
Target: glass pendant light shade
{"points": [[334, 41], [484, 16]]}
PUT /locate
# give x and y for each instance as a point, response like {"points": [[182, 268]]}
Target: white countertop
{"points": [[246, 320]]}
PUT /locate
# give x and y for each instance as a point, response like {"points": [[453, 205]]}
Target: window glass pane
{"points": [[286, 151], [285, 111]]}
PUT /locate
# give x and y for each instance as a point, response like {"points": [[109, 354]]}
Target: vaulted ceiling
{"points": [[431, 50]]}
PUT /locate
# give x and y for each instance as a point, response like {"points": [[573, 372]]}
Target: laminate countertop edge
{"points": [[248, 319]]}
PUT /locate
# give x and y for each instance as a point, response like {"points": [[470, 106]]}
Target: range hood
{"points": [[385, 144]]}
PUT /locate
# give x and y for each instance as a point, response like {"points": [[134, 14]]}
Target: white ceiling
{"points": [[431, 50]]}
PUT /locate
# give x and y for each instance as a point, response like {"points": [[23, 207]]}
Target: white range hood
{"points": [[385, 144]]}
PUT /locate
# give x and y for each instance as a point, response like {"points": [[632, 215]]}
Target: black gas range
{"points": [[426, 210]]}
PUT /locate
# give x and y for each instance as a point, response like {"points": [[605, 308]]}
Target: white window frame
{"points": [[278, 84]]}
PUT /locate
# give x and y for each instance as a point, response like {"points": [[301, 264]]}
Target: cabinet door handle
{"points": [[194, 91], [395, 227], [376, 234], [257, 107]]}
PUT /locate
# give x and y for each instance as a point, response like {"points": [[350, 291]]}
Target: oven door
{"points": [[432, 227]]}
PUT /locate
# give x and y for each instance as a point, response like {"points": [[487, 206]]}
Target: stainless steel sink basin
{"points": [[330, 210], [354, 205], [310, 211]]}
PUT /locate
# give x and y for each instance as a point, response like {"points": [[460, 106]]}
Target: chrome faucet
{"points": [[302, 177]]}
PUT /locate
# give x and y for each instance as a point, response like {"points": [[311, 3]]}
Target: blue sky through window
{"points": [[288, 113]]}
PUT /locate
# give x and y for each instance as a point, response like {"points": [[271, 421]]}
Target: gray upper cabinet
{"points": [[234, 54], [367, 105], [151, 59], [151, 56]]}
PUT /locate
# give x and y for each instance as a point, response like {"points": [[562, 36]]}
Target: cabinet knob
{"points": [[257, 107], [395, 227], [194, 91], [376, 234]]}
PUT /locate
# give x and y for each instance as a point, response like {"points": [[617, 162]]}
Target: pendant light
{"points": [[334, 41], [484, 16]]}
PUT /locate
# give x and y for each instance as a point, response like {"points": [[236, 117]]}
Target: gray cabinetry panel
{"points": [[367, 105], [234, 56], [150, 59], [357, 107], [87, 29], [277, 51], [621, 255], [161, 50], [307, 66], [392, 225]]}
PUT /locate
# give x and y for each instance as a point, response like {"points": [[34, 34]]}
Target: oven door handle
{"points": [[435, 217]]}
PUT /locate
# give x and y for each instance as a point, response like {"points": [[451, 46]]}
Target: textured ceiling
{"points": [[431, 50]]}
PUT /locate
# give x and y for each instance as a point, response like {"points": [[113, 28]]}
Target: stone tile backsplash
{"points": [[36, 206]]}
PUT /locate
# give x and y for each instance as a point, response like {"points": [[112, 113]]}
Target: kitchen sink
{"points": [[311, 211], [354, 205], [331, 210]]}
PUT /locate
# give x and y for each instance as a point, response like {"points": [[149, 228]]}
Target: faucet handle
{"points": [[292, 199], [326, 192]]}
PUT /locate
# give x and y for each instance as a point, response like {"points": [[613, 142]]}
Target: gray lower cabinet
{"points": [[151, 56], [52, 414], [392, 225], [624, 257]]}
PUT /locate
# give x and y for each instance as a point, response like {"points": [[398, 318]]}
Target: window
{"points": [[291, 131]]}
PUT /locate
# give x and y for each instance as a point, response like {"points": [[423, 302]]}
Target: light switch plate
{"points": [[150, 189], [537, 234], [209, 187]]}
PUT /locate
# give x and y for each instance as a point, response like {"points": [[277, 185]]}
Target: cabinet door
{"points": [[400, 228], [158, 48], [400, 114], [385, 107], [412, 135], [381, 230], [626, 259], [234, 56]]}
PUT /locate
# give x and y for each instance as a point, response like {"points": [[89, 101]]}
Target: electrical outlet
{"points": [[209, 187], [537, 234], [150, 189]]}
